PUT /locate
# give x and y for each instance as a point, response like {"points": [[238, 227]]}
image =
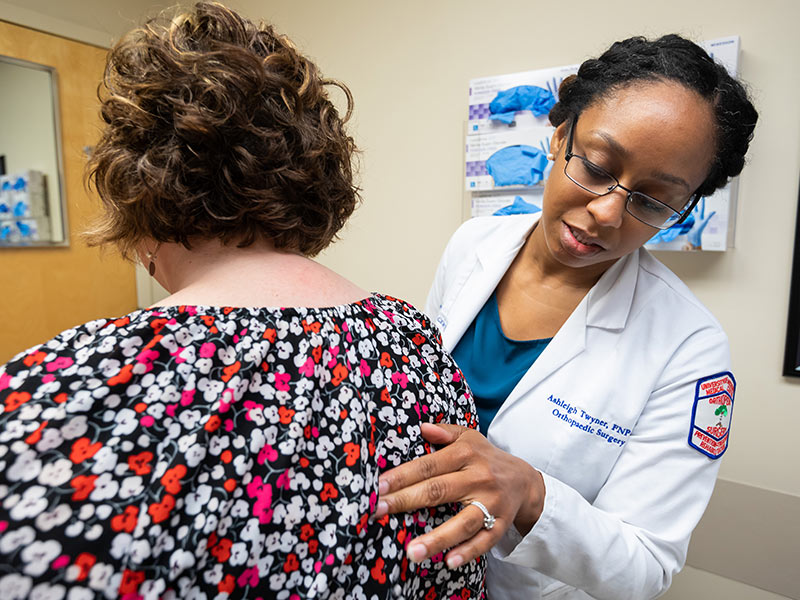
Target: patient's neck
{"points": [[216, 274]]}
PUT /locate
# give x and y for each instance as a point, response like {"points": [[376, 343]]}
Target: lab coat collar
{"points": [[609, 301]]}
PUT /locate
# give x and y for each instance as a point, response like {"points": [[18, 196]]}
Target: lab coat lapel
{"points": [[493, 260]]}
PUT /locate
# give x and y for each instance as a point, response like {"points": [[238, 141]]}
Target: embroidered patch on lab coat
{"points": [[711, 414]]}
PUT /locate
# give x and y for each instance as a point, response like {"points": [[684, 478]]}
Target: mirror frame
{"points": [[62, 194]]}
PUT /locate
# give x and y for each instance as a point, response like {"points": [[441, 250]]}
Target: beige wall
{"points": [[408, 65]]}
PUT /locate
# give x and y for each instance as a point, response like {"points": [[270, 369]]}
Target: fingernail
{"points": [[453, 562], [416, 552], [383, 487], [381, 509]]}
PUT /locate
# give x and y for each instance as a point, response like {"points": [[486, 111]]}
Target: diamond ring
{"points": [[488, 518]]}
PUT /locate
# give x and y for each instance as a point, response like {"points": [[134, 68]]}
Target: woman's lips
{"points": [[578, 242]]}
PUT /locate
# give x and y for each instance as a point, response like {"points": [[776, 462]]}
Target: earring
{"points": [[151, 256], [551, 156]]}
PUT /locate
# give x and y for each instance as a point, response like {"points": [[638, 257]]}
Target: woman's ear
{"points": [[559, 138]]}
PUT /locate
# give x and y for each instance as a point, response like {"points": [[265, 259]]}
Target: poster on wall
{"points": [[508, 137], [791, 360]]}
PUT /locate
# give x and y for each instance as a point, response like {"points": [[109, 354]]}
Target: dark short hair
{"points": [[218, 128], [670, 58]]}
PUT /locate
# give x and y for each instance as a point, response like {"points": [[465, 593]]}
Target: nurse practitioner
{"points": [[603, 385]]}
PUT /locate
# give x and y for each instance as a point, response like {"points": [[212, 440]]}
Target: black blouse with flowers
{"points": [[194, 452]]}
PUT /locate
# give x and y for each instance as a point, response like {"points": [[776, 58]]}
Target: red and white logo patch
{"points": [[711, 414]]}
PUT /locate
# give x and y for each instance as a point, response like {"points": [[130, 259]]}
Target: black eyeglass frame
{"points": [[693, 199]]}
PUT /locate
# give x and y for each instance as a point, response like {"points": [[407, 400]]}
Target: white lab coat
{"points": [[618, 513]]}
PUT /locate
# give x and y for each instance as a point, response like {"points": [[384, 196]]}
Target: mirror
{"points": [[32, 206]]}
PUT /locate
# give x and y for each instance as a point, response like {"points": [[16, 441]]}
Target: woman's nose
{"points": [[609, 209]]}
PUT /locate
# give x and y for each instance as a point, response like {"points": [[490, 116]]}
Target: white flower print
{"points": [[130, 487], [126, 420], [104, 460], [26, 467], [31, 504], [45, 591], [15, 586], [80, 593], [100, 576], [105, 488], [58, 516], [120, 545], [75, 427], [38, 556]]}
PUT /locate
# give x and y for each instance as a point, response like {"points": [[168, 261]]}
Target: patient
{"points": [[227, 442]]}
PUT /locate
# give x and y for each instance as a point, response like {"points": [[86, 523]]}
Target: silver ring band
{"points": [[488, 518]]}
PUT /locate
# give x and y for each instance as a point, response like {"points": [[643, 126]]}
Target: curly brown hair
{"points": [[218, 128]]}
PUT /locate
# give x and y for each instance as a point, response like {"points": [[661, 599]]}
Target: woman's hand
{"points": [[468, 468]]}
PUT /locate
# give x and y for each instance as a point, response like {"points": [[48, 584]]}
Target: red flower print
{"points": [[171, 480], [386, 360], [160, 510], [16, 399], [316, 354], [270, 335], [286, 414], [222, 550], [230, 371], [140, 463], [353, 452], [85, 561], [340, 373], [127, 520], [328, 492], [35, 359], [131, 580], [377, 571], [227, 585], [291, 563], [36, 435], [83, 484], [82, 449], [313, 546], [124, 376], [418, 339], [306, 531], [386, 396], [315, 326], [213, 423]]}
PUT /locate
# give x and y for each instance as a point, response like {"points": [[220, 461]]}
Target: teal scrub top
{"points": [[492, 363]]}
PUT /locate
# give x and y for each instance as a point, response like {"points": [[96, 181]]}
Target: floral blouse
{"points": [[212, 453]]}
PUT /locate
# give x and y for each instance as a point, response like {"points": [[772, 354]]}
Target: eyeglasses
{"points": [[650, 211]]}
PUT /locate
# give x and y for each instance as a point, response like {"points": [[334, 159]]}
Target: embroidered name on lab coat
{"points": [[580, 420]]}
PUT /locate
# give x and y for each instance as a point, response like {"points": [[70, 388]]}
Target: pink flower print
{"points": [[369, 306], [267, 453], [284, 480], [248, 577], [308, 367], [192, 310], [187, 396], [62, 362], [334, 353], [456, 376], [177, 355], [207, 350], [389, 315], [364, 367], [45, 379], [381, 462], [5, 381], [60, 562], [401, 379], [146, 358], [282, 381], [227, 399], [262, 492]]}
